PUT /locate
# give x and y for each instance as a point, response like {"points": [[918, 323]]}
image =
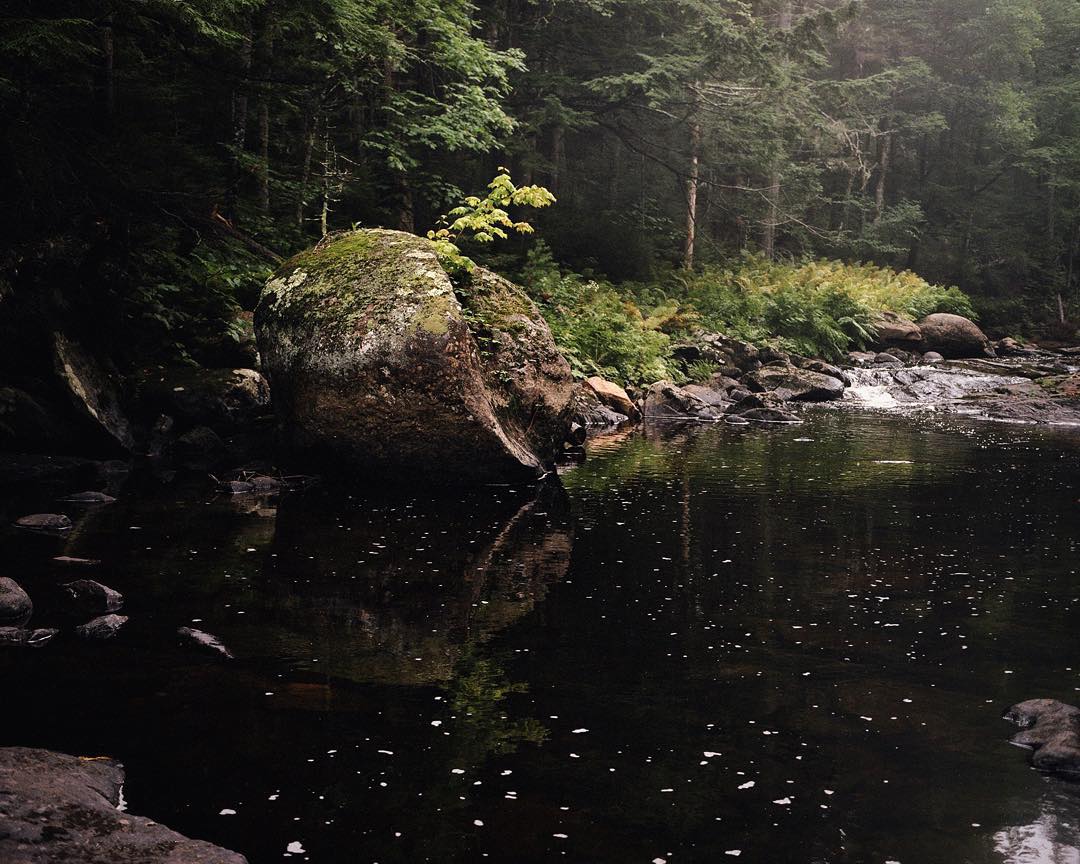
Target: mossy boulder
{"points": [[378, 362]]}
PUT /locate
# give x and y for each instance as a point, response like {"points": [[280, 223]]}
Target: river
{"points": [[711, 643]]}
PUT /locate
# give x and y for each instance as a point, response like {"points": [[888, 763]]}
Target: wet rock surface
{"points": [[90, 592], [665, 400], [791, 384], [58, 808], [1052, 730], [954, 337], [15, 603], [44, 522], [103, 627]]}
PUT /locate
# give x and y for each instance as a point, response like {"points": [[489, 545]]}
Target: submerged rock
{"points": [[377, 362], [24, 636], [89, 498], [1052, 730], [87, 590], [207, 640], [200, 449], [76, 562], [44, 522], [15, 603], [104, 627], [55, 807], [954, 337], [591, 413]]}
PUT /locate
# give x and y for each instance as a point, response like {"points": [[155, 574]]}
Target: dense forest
{"points": [[160, 156]]}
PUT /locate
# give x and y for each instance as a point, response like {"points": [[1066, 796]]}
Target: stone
{"points": [[55, 807], [895, 331], [44, 522], [75, 561], [87, 590], [932, 357], [613, 396], [954, 337], [763, 408], [379, 363], [886, 359], [104, 627], [92, 392], [23, 636], [206, 640], [708, 395], [795, 385], [89, 498], [15, 603], [591, 413], [193, 396], [199, 449], [1052, 730], [666, 400]]}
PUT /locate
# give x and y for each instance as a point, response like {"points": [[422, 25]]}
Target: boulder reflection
{"points": [[397, 590]]}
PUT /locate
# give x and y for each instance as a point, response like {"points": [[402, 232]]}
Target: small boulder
{"points": [[89, 591], [1052, 730], [795, 385], [199, 449], [932, 357], [15, 604], [886, 359], [591, 413], [91, 390], [954, 337], [44, 522], [104, 627], [613, 396], [896, 331], [708, 395], [72, 561], [206, 640], [763, 408], [666, 400], [24, 636]]}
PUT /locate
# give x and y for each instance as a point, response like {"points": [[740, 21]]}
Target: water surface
{"points": [[792, 644]]}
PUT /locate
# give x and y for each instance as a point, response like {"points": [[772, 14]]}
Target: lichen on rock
{"points": [[377, 361]]}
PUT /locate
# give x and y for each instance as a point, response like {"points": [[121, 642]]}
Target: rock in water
{"points": [[895, 331], [666, 400], [104, 627], [1052, 730], [377, 362], [15, 603], [95, 592], [795, 385], [954, 337], [44, 522], [613, 396], [55, 807], [207, 640], [23, 636], [89, 498], [92, 393]]}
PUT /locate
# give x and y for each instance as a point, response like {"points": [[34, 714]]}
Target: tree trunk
{"points": [[772, 219], [884, 155], [239, 129], [558, 156], [108, 68], [692, 186], [308, 148], [264, 157]]}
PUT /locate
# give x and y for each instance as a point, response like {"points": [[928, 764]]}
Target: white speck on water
{"points": [[227, 812], [734, 853], [479, 823], [436, 722], [295, 848], [749, 784], [782, 801], [457, 770], [580, 731]]}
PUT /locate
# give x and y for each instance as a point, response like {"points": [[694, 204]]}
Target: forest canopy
{"points": [[175, 149]]}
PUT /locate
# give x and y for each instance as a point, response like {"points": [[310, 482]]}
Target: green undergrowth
{"points": [[818, 308]]}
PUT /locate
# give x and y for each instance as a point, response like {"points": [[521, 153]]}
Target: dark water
{"points": [[795, 644]]}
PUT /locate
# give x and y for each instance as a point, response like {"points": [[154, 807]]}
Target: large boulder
{"points": [[379, 363], [55, 807], [91, 389], [795, 385], [896, 331], [15, 603], [954, 337]]}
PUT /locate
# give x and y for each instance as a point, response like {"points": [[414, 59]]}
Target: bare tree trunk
{"points": [[558, 156], [692, 186], [884, 154], [239, 129], [264, 157], [108, 67], [308, 144], [772, 219]]}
